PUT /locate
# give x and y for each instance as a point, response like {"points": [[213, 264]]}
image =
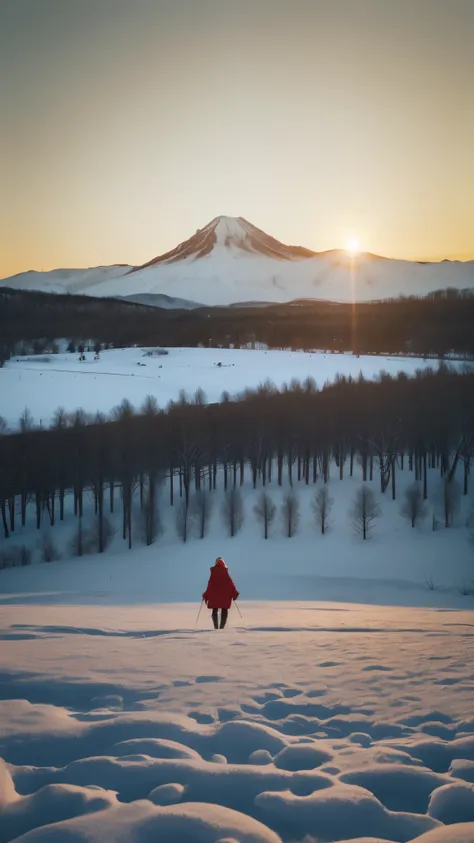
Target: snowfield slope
{"points": [[230, 260]]}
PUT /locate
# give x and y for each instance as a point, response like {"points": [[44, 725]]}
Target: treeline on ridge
{"points": [[433, 326]]}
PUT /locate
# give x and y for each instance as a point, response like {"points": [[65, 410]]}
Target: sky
{"points": [[128, 124]]}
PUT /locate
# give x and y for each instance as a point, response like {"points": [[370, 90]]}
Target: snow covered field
{"points": [[300, 721], [44, 383]]}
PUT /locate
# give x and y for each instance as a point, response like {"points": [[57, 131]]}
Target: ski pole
{"points": [[200, 607], [240, 613]]}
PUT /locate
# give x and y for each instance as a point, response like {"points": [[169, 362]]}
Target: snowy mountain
{"points": [[230, 260]]}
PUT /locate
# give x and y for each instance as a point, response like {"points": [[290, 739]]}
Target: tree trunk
{"points": [[11, 507], [100, 508], [4, 519], [38, 510], [171, 485]]}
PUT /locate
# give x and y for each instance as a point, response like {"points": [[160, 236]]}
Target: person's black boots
{"points": [[224, 614], [215, 618]]}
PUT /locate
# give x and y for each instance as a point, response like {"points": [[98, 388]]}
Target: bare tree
{"points": [[451, 501], [233, 511], [48, 550], [265, 511], [60, 419], [151, 526], [182, 520], [150, 406], [291, 513], [201, 511], [77, 545], [414, 508], [200, 397], [26, 421], [101, 534], [365, 511], [322, 505]]}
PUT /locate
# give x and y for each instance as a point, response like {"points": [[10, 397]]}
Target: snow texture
{"points": [[133, 724], [230, 260]]}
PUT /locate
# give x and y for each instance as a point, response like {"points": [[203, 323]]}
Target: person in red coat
{"points": [[220, 592]]}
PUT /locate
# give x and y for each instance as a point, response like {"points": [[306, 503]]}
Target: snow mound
{"points": [[340, 811], [463, 833], [453, 803], [399, 788], [143, 822], [154, 747], [51, 804], [167, 794]]}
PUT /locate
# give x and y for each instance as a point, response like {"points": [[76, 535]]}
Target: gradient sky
{"points": [[128, 124]]}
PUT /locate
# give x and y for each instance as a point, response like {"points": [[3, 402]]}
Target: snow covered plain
{"points": [[44, 383]]}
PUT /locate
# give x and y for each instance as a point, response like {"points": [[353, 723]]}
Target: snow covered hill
{"points": [[230, 260]]}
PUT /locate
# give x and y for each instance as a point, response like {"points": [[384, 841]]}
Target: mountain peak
{"points": [[233, 235], [230, 230]]}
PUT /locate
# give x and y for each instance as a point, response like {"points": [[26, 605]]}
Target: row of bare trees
{"points": [[296, 435]]}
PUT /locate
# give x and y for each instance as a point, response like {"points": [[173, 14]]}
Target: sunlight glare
{"points": [[352, 245]]}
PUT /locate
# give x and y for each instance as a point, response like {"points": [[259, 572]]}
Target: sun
{"points": [[353, 245]]}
